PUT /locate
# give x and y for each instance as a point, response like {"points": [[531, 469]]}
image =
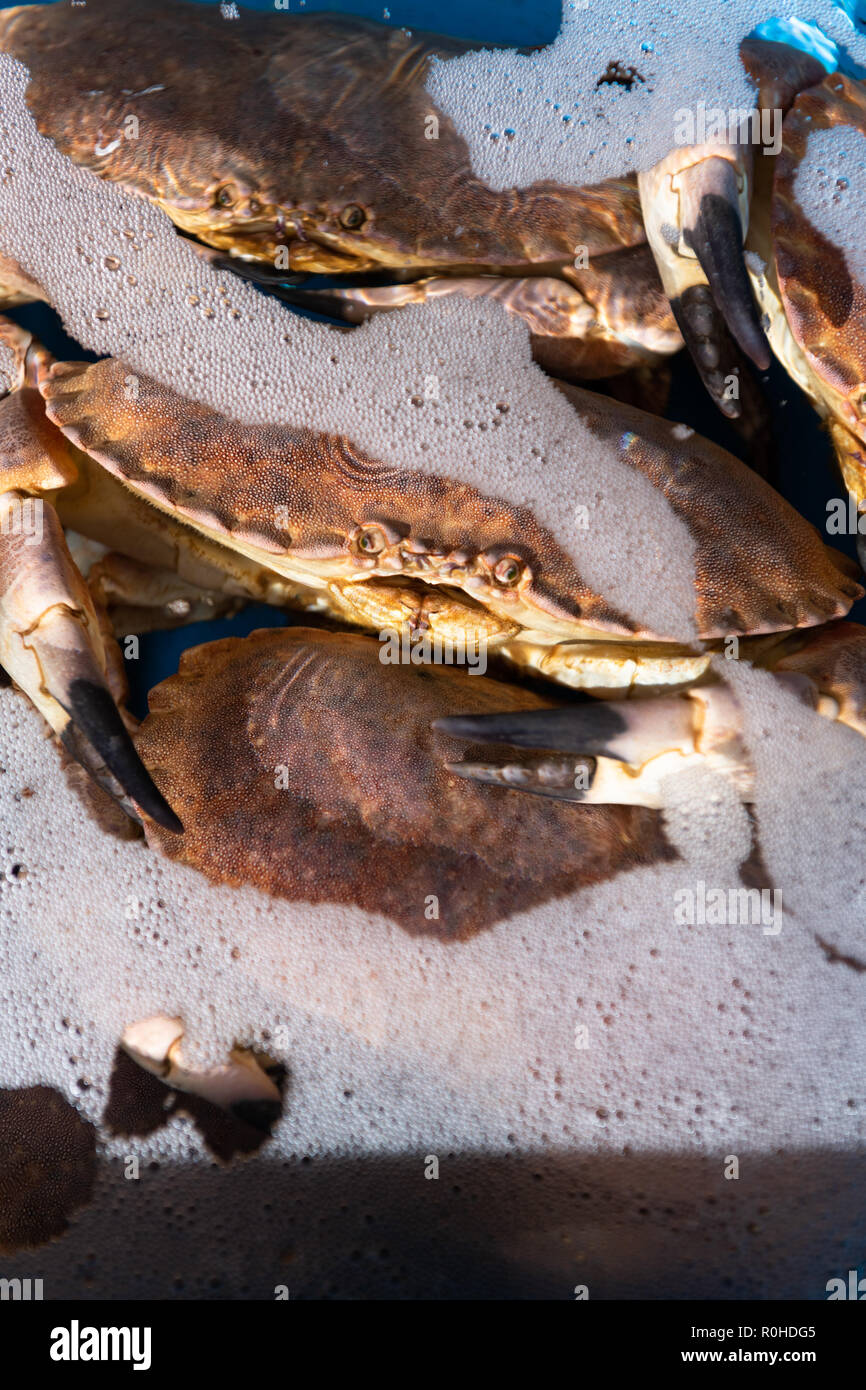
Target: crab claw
{"points": [[239, 1086], [713, 229], [52, 646], [695, 205], [94, 725], [624, 748]]}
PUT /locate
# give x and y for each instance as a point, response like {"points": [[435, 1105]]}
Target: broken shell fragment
{"points": [[239, 1086]]}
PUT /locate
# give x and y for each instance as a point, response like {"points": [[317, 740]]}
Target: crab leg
{"points": [[52, 641], [618, 321], [52, 645], [618, 751], [138, 598], [621, 749], [549, 305]]}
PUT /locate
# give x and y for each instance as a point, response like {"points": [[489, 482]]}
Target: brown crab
{"points": [[289, 143], [201, 512]]}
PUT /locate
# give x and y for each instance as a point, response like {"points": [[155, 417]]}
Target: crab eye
{"points": [[226, 196], [352, 217], [508, 571], [371, 540]]}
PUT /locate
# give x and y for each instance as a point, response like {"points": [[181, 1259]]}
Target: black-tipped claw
{"points": [[565, 779], [717, 241], [711, 347], [587, 729], [581, 730], [582, 745], [94, 713]]}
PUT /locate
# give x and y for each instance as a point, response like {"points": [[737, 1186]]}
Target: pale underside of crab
{"points": [[201, 512]]}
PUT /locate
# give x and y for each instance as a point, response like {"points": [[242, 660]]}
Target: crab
{"points": [[202, 513], [289, 149]]}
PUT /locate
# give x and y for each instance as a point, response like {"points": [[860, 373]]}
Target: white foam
{"points": [[10, 368], [567, 128], [811, 807], [830, 187], [700, 1042]]}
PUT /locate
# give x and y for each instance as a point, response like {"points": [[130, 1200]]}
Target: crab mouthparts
{"points": [[410, 605]]}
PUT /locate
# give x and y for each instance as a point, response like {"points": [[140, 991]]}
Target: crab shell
{"points": [[824, 304], [48, 1166], [388, 547], [294, 131], [316, 796], [308, 143]]}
